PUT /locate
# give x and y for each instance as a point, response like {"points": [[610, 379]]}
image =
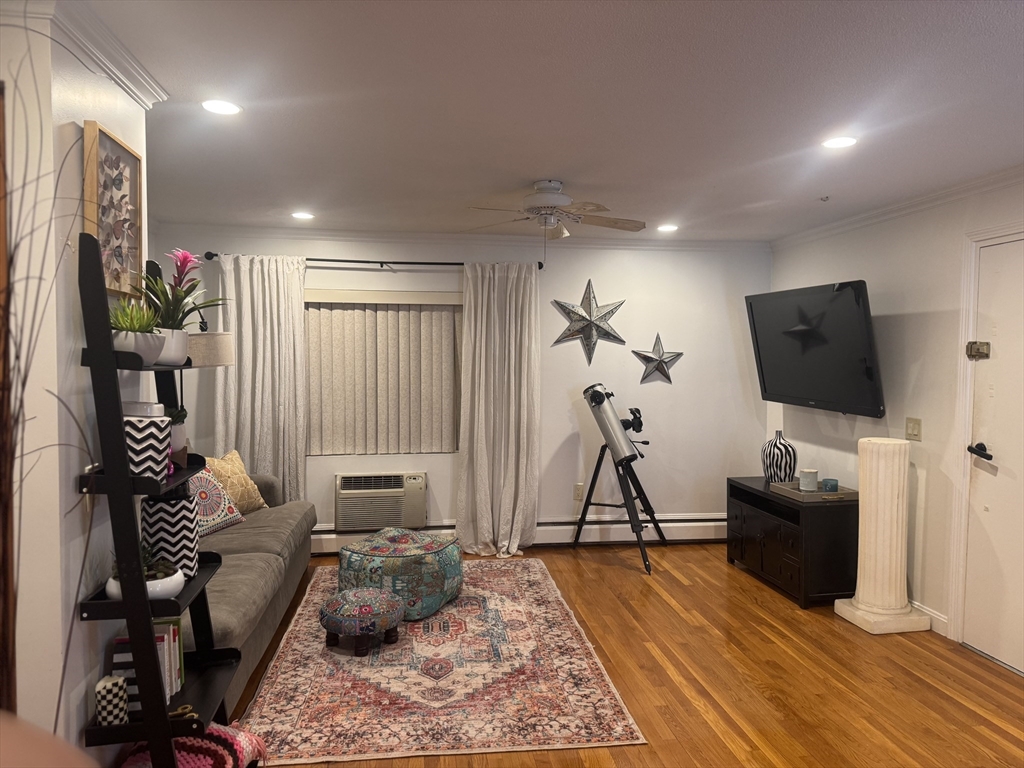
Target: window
{"points": [[383, 378]]}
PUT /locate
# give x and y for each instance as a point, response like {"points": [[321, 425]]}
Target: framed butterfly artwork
{"points": [[113, 207]]}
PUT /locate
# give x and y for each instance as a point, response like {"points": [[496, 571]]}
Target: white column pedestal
{"points": [[880, 604]]}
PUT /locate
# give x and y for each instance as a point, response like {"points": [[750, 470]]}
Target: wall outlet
{"points": [[577, 492], [913, 429]]}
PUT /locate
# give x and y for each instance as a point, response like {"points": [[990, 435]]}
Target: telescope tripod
{"points": [[629, 484]]}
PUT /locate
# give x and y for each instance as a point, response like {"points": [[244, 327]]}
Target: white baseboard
{"points": [[329, 542], [940, 623]]}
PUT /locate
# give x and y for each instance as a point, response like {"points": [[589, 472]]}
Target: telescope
{"points": [[624, 454]]}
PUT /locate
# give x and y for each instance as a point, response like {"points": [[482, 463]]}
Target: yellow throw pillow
{"points": [[230, 472]]}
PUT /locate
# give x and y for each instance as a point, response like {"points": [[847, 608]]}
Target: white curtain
{"points": [[499, 443], [261, 399], [383, 378]]}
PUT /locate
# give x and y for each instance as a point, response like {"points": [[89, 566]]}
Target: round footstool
{"points": [[362, 613], [424, 571]]}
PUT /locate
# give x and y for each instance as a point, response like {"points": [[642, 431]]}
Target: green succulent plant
{"points": [[159, 568], [174, 305], [132, 317], [177, 415]]}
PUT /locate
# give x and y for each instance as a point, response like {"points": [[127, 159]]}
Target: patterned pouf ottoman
{"points": [[425, 571], [362, 613]]}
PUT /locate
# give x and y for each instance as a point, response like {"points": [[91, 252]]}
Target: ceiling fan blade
{"points": [[495, 224], [585, 208], [506, 210], [556, 233], [627, 225]]}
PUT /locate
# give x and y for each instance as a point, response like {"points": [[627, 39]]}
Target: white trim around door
{"points": [[973, 243]]}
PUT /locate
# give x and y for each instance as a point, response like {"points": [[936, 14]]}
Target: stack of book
{"points": [[170, 652]]}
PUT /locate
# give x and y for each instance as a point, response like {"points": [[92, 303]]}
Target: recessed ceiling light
{"points": [[221, 107], [667, 228], [839, 142], [302, 215]]}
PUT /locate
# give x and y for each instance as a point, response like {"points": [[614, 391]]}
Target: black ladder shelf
{"points": [[208, 670]]}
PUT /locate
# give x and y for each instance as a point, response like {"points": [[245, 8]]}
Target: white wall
{"points": [[912, 264], [25, 64], [55, 519], [707, 425]]}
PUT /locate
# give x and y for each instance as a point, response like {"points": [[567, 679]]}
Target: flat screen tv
{"points": [[815, 347]]}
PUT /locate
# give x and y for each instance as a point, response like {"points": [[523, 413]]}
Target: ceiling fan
{"points": [[553, 209]]}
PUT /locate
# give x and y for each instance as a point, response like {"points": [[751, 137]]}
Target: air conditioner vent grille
{"points": [[371, 482], [366, 502]]}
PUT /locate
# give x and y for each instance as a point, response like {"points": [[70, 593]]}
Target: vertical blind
{"points": [[383, 378]]}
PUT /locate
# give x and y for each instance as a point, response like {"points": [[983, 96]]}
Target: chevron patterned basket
{"points": [[149, 445], [171, 528]]}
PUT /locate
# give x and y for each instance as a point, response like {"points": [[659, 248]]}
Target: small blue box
{"points": [[829, 485]]}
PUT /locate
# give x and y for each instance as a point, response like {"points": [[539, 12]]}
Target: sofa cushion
{"points": [[214, 508], [230, 471], [239, 593], [275, 531]]}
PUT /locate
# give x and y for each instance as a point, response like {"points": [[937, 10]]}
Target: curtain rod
{"points": [[210, 256]]}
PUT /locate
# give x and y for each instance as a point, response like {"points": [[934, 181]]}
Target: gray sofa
{"points": [[264, 560]]}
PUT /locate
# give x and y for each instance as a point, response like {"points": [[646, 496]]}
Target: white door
{"points": [[994, 609]]}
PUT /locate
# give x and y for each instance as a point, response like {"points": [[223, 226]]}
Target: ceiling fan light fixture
{"points": [[219, 107], [839, 142], [668, 228]]}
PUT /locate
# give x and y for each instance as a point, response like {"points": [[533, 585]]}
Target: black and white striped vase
{"points": [[171, 529], [778, 459], [149, 445]]}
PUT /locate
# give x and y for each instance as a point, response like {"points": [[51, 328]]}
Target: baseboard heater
{"points": [[368, 502]]}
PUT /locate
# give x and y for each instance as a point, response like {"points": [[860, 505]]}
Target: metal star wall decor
{"points": [[589, 323], [657, 360], [806, 331]]}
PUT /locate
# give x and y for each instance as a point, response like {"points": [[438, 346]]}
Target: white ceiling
{"points": [[396, 116]]}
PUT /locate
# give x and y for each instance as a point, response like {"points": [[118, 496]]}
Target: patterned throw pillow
{"points": [[243, 491], [214, 507]]}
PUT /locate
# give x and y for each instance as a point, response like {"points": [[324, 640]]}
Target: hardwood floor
{"points": [[719, 669]]}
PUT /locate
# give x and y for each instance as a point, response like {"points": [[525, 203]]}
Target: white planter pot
{"points": [[148, 345], [178, 437], [175, 350], [159, 589]]}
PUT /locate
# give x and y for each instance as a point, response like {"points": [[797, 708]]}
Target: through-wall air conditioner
{"points": [[366, 502]]}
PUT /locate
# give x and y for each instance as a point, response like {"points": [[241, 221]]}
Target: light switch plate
{"points": [[913, 429]]}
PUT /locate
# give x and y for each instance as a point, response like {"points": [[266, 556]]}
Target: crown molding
{"points": [[990, 183], [199, 231], [27, 9], [85, 29]]}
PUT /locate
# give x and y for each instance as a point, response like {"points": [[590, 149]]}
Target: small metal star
{"points": [[589, 322], [657, 360], [806, 331]]}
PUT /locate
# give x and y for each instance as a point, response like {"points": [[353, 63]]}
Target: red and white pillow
{"points": [[215, 509]]}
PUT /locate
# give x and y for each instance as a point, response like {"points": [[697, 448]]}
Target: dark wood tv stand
{"points": [[809, 550]]}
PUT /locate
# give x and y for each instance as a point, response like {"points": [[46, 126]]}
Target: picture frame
{"points": [[112, 209]]}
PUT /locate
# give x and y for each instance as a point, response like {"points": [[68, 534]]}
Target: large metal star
{"points": [[657, 360], [589, 322]]}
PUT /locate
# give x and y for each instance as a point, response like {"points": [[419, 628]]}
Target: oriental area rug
{"points": [[503, 667]]}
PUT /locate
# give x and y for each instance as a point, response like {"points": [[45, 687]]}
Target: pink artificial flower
{"points": [[184, 264]]}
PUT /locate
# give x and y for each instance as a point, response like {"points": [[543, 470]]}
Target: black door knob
{"points": [[980, 450]]}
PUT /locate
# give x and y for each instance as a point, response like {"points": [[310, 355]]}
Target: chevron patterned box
{"points": [[149, 445], [171, 528]]}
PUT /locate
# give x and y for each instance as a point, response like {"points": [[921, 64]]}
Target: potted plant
{"points": [[175, 303], [134, 327], [163, 579]]}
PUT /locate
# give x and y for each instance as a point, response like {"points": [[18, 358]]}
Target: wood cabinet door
{"points": [[771, 549]]}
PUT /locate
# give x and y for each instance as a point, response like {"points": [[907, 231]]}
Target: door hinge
{"points": [[978, 350]]}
